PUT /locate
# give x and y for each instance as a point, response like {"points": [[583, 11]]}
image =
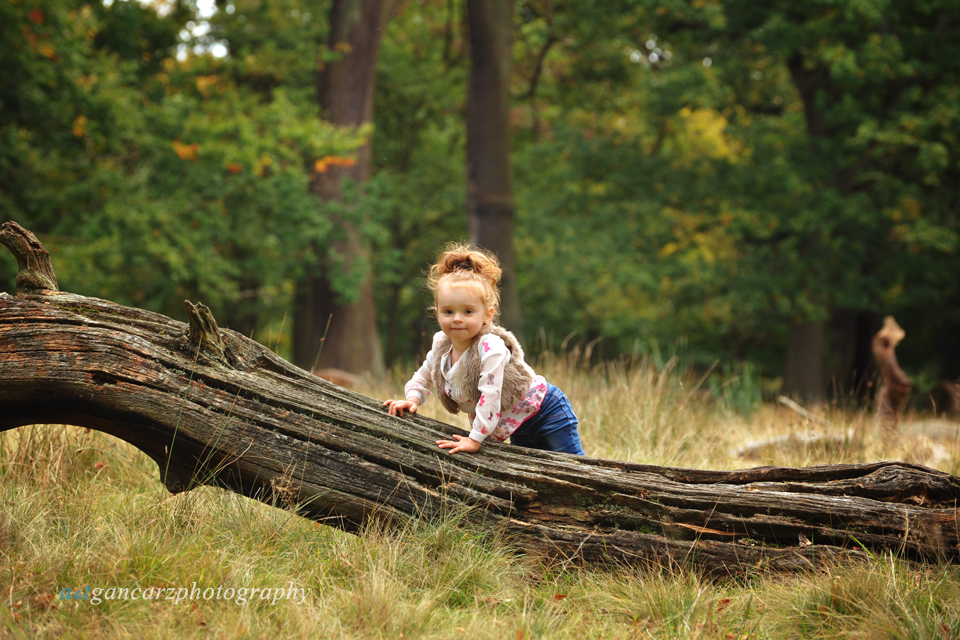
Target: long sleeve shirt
{"points": [[487, 417]]}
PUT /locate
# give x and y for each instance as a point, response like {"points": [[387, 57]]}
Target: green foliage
{"points": [[720, 170], [63, 102], [219, 206], [273, 44], [152, 180], [137, 33]]}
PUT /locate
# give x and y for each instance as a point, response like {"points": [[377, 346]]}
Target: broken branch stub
{"points": [[246, 420], [203, 330], [34, 268]]}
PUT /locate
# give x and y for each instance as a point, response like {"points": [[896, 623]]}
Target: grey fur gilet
{"points": [[517, 376]]}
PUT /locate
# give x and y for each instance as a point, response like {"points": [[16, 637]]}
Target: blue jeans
{"points": [[552, 428]]}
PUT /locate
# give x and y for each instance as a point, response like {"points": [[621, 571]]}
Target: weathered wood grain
{"points": [[213, 407]]}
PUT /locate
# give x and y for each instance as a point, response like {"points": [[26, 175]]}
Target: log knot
{"points": [[35, 270]]}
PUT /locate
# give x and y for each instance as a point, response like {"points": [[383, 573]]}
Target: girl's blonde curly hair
{"points": [[461, 262]]}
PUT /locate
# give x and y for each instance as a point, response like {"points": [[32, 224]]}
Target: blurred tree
{"points": [[346, 90], [419, 164], [490, 202], [623, 148], [70, 113]]}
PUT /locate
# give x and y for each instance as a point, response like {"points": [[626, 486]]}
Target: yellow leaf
{"points": [[324, 163], [80, 126], [667, 249], [205, 82], [185, 151], [704, 134]]}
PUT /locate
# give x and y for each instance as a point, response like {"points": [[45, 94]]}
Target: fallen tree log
{"points": [[213, 407]]}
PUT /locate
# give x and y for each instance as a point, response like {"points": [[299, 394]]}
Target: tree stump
{"points": [[213, 407], [895, 384]]}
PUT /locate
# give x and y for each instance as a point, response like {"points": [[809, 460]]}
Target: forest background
{"points": [[755, 184]]}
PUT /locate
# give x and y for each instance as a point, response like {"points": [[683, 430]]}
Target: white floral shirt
{"points": [[487, 417]]}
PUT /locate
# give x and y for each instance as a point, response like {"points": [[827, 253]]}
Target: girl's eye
{"points": [[468, 311]]}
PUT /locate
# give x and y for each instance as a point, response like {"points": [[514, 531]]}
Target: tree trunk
{"points": [[803, 375], [803, 372], [839, 359], [213, 407], [490, 203], [345, 93], [848, 360], [950, 337], [868, 323]]}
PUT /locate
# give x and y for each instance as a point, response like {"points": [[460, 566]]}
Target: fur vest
{"points": [[517, 376]]}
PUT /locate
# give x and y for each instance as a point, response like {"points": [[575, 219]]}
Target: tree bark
{"points": [[330, 331], [803, 370], [211, 406], [840, 356], [490, 204]]}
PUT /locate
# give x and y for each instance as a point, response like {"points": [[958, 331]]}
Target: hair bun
{"points": [[464, 264]]}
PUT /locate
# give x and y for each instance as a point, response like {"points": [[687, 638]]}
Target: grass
{"points": [[79, 508]]}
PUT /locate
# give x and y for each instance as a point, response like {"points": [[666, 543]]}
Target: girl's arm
{"points": [[460, 443], [415, 391], [493, 360], [419, 385]]}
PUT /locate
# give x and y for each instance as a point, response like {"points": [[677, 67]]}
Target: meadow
{"points": [[81, 509]]}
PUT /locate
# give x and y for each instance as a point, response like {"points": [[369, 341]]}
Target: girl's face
{"points": [[461, 311]]}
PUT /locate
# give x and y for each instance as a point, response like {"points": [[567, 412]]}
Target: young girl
{"points": [[477, 366]]}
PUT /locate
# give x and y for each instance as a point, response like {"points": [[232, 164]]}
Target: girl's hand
{"points": [[397, 406], [463, 443]]}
